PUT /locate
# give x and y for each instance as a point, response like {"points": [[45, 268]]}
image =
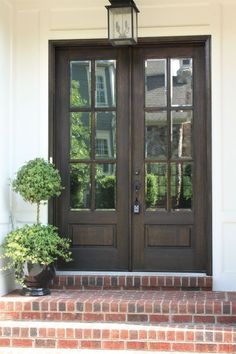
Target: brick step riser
{"points": [[119, 317], [195, 340], [89, 308], [74, 282]]}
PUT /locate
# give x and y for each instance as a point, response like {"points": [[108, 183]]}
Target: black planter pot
{"points": [[37, 280]]}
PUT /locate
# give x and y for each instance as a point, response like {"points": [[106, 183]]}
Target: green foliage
{"points": [[75, 97], [37, 181], [79, 182], [187, 182], [36, 244], [80, 136], [151, 190], [105, 192], [80, 132]]}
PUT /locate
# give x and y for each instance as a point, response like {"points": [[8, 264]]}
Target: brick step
{"points": [[5, 350], [123, 306], [15, 350], [103, 336], [137, 281]]}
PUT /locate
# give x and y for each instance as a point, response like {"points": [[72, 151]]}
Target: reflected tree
{"points": [[79, 149], [80, 129]]}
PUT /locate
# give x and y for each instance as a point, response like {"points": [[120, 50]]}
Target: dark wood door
{"points": [[169, 163], [130, 139], [91, 145]]}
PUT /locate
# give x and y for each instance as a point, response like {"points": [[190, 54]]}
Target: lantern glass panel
{"points": [[135, 25], [120, 23]]}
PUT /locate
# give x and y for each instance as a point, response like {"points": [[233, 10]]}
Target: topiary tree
{"points": [[37, 181]]}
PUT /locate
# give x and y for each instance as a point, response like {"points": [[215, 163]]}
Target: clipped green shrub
{"points": [[105, 192], [35, 244], [37, 181]]}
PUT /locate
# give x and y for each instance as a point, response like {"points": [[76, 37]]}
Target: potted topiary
{"points": [[32, 249]]}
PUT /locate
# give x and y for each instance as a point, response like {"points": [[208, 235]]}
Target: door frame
{"points": [[205, 41]]}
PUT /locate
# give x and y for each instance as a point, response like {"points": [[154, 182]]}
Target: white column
{"points": [[6, 279]]}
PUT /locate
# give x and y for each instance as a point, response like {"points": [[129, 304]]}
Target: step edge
{"points": [[118, 326], [130, 274], [17, 350]]}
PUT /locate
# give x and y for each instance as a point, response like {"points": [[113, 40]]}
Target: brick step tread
{"points": [[45, 334], [143, 281], [123, 306]]}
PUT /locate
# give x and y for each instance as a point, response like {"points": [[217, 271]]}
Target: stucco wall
{"points": [[38, 21]]}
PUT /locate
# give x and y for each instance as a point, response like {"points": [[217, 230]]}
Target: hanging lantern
{"points": [[122, 22]]}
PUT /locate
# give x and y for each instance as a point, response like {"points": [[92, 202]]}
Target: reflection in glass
{"points": [[181, 186], [80, 135], [181, 134], [105, 71], [80, 186], [105, 186], [156, 186], [155, 83], [105, 135], [181, 82], [80, 83], [156, 144]]}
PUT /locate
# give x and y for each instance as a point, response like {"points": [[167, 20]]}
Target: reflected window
{"points": [[102, 147], [101, 90], [155, 83], [105, 72], [80, 84], [105, 135], [181, 82]]}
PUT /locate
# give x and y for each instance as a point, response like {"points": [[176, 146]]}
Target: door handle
{"points": [[137, 205]]}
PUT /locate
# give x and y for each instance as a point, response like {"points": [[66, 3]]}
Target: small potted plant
{"points": [[32, 249]]}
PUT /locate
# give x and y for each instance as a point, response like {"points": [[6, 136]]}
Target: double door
{"points": [[130, 141]]}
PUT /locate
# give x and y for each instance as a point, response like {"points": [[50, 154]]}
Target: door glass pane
{"points": [[181, 82], [105, 71], [181, 134], [105, 186], [80, 83], [105, 135], [80, 186], [156, 145], [181, 186], [155, 83], [156, 186], [80, 135]]}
